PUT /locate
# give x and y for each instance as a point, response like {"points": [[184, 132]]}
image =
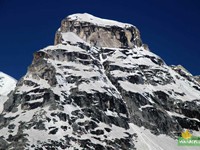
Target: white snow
{"points": [[7, 84], [66, 47], [175, 114], [35, 101], [72, 38], [85, 17], [111, 113], [145, 106]]}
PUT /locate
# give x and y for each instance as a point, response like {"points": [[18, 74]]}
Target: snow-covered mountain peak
{"points": [[99, 32], [7, 84], [99, 88], [85, 17]]}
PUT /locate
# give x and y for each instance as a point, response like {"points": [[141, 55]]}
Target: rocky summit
{"points": [[99, 88]]}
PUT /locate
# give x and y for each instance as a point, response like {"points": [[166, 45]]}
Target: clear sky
{"points": [[171, 28]]}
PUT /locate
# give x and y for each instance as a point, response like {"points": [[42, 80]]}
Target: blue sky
{"points": [[171, 28]]}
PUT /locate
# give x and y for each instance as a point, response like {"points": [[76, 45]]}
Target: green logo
{"points": [[188, 140]]}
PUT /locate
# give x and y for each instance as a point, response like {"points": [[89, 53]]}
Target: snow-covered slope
{"points": [[99, 88], [7, 84]]}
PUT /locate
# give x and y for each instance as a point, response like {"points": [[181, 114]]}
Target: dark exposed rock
{"points": [[53, 131]]}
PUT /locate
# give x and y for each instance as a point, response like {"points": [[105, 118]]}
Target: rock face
{"points": [[99, 32], [197, 78], [85, 93]]}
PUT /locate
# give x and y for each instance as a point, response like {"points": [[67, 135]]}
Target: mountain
{"points": [[7, 84], [99, 87]]}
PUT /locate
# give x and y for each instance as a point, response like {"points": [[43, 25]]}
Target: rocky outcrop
{"points": [[99, 32], [197, 78], [186, 74]]}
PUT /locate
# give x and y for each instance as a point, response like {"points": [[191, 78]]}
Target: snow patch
{"points": [[85, 17]]}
